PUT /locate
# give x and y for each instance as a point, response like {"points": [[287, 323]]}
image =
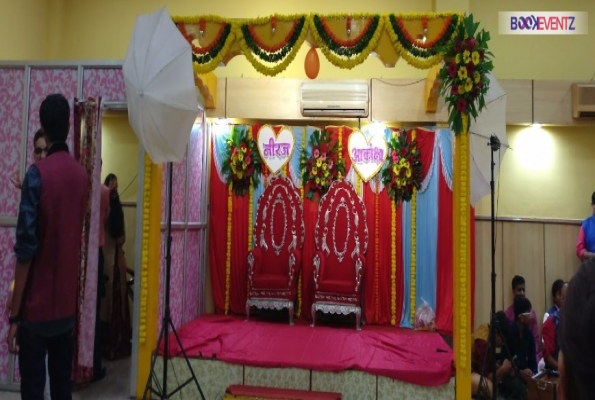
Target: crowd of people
{"points": [[564, 346]]}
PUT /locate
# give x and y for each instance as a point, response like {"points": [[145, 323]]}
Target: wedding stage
{"points": [[377, 362]]}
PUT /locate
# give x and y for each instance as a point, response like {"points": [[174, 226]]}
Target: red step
{"points": [[279, 394]]}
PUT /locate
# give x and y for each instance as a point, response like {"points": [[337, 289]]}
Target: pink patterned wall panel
{"points": [[179, 191], [12, 88], [195, 173], [105, 82], [43, 83], [7, 261], [177, 277], [191, 277]]}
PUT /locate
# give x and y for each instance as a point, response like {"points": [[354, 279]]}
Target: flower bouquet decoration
{"points": [[322, 165], [241, 164], [463, 76], [403, 172]]}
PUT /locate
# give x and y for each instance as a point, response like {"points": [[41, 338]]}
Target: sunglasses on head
{"points": [[525, 314], [39, 150]]}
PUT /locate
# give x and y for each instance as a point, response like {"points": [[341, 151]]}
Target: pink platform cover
{"points": [[417, 357]]}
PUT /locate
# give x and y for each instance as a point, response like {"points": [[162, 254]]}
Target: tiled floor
{"points": [[115, 385]]}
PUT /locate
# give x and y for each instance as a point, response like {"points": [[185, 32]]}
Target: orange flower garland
{"points": [[429, 43], [276, 47], [350, 42], [205, 49]]}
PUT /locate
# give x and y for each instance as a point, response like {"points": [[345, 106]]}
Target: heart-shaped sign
{"points": [[275, 150], [367, 154]]}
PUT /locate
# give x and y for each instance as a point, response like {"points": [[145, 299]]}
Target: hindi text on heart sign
{"points": [[369, 154], [276, 149]]}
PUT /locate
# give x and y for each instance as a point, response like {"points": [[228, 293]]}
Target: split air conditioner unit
{"points": [[583, 100], [348, 99]]}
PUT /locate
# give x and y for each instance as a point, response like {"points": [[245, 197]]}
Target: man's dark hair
{"points": [[593, 198], [577, 332], [502, 322], [54, 116], [517, 280], [521, 305], [38, 135], [557, 286]]}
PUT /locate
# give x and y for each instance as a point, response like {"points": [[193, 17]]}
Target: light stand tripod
{"points": [[494, 144], [161, 390]]}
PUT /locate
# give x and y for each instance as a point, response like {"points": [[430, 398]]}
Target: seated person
{"points": [[482, 354], [521, 341], [549, 330], [518, 289]]}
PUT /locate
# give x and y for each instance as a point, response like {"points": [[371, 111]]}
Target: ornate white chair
{"points": [[274, 262], [341, 243]]}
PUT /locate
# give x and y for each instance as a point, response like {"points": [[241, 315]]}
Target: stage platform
{"points": [[375, 363]]}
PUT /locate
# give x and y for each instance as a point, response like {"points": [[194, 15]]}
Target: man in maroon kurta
{"points": [[53, 204]]}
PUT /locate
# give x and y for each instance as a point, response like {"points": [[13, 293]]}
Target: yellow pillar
{"points": [[462, 264], [149, 296]]}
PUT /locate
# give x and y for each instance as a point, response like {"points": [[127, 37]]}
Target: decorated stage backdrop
{"points": [[409, 257]]}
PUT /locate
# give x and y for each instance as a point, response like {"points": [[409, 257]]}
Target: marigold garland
{"points": [[413, 244], [205, 49], [342, 53], [144, 265], [403, 172], [241, 163], [323, 165], [376, 253], [393, 264], [228, 250], [463, 267], [292, 50], [275, 54], [334, 53], [299, 310], [251, 32], [407, 43], [346, 43]]}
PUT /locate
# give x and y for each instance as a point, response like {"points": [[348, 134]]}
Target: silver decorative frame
{"points": [[337, 308], [330, 303], [271, 304], [276, 298]]}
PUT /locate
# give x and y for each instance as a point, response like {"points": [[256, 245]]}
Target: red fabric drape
{"points": [[217, 237], [425, 145], [310, 214], [239, 252], [444, 282], [378, 283]]}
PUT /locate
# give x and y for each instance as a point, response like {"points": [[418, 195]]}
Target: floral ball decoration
{"points": [[322, 165], [242, 164], [464, 80], [403, 172]]}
